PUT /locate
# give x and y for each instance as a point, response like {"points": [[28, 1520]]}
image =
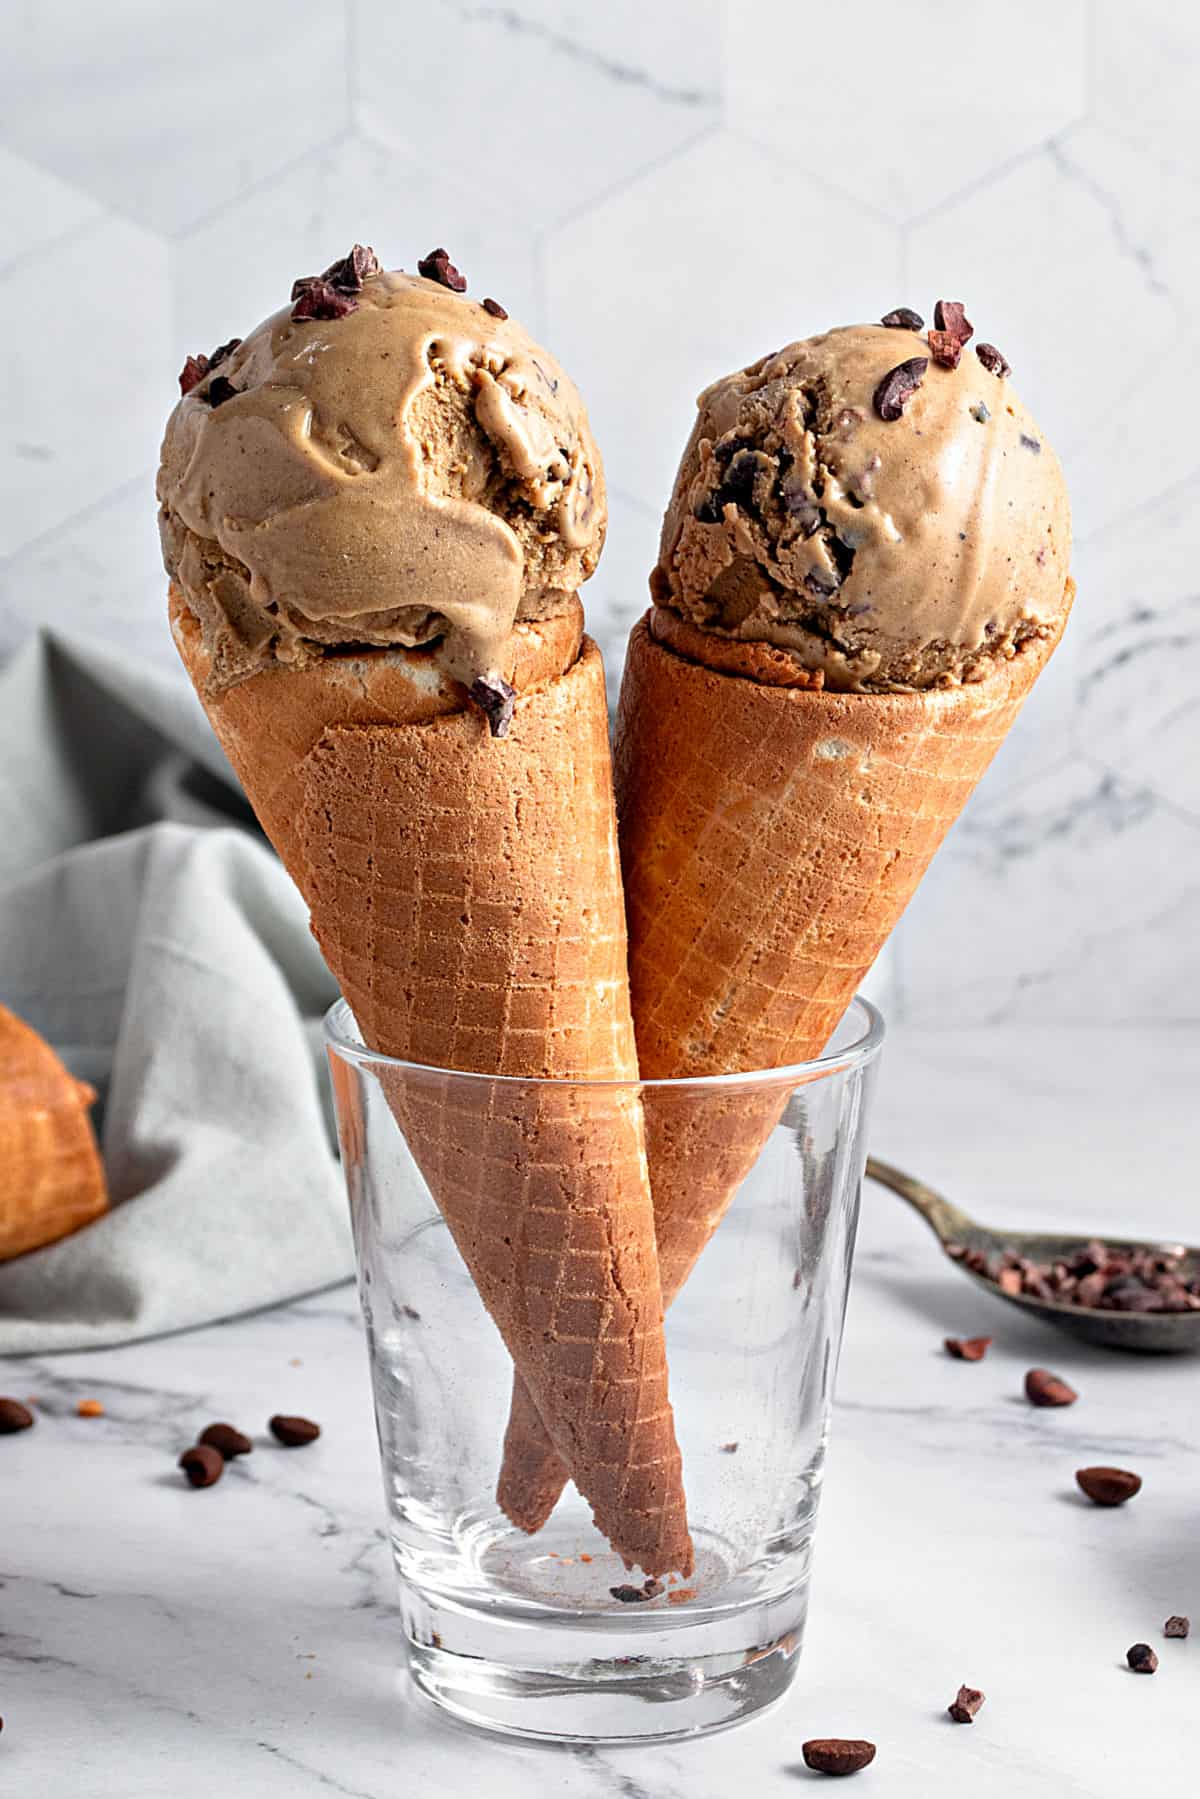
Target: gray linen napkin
{"points": [[148, 932]]}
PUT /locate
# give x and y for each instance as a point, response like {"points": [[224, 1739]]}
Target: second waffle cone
{"points": [[771, 836]]}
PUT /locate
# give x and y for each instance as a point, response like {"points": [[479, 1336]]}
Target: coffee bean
{"points": [[837, 1755], [14, 1417], [965, 1704], [202, 1464], [968, 1349], [294, 1433], [497, 700], [1176, 1626], [1108, 1486], [1142, 1659], [1044, 1388], [438, 267], [226, 1440]]}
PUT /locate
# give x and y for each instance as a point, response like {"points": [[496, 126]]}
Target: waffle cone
{"points": [[771, 836], [466, 894], [51, 1177]]}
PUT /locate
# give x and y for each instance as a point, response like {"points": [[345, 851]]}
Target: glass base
{"points": [[541, 1649]]}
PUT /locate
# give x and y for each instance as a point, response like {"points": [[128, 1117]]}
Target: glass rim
{"points": [[859, 1053]]}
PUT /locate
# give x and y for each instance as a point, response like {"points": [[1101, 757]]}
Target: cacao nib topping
{"points": [[898, 387], [494, 307], [950, 316], [349, 272], [993, 360], [1031, 444], [437, 266], [903, 318], [1142, 1659], [220, 389], [1176, 1626], [316, 298], [331, 295], [222, 351], [945, 348], [496, 700], [968, 1349], [192, 373]]}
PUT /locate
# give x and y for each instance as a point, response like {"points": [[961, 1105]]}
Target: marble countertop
{"points": [[156, 1640]]}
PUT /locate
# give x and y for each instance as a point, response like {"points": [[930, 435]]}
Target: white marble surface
{"points": [[245, 1639], [663, 192]]}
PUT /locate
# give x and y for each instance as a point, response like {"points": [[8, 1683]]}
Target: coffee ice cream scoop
{"points": [[875, 502], [387, 462]]}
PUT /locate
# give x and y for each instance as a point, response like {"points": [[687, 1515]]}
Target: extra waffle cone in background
{"points": [[465, 891], [771, 837], [51, 1176]]}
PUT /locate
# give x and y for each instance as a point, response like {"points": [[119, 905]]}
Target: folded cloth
{"points": [[149, 933]]}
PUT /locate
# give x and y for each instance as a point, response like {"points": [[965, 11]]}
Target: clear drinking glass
{"points": [[523, 1634]]}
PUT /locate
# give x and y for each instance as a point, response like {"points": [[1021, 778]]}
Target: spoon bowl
{"points": [[1146, 1333]]}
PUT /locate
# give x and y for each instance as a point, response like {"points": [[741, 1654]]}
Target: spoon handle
{"points": [[946, 1221]]}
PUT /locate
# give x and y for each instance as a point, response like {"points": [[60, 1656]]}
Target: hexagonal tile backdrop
{"points": [[665, 192], [906, 106]]}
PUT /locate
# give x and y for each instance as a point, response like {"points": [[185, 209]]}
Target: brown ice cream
{"points": [[413, 470], [874, 552]]}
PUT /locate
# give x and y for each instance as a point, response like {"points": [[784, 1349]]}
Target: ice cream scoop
{"points": [[383, 462], [875, 504]]}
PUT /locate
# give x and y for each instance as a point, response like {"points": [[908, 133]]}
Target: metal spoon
{"points": [[1151, 1332]]}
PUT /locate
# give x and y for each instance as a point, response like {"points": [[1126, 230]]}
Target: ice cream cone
{"points": [[466, 893], [771, 837], [51, 1177]]}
